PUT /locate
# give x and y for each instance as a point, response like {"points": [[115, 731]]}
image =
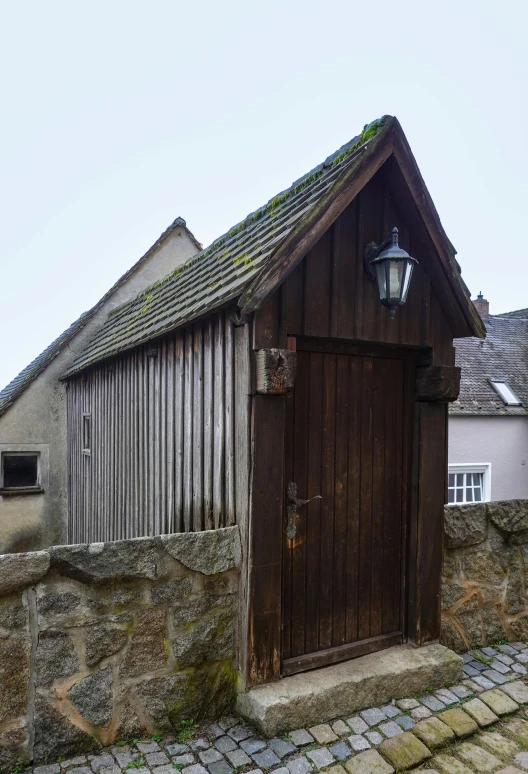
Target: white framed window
{"points": [[469, 483]]}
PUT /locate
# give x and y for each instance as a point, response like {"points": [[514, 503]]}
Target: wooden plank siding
{"points": [[163, 427], [329, 294]]}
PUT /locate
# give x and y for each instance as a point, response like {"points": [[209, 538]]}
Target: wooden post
{"points": [[265, 540], [427, 524]]}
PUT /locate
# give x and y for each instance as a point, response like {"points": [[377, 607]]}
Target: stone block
{"points": [[14, 747], [173, 591], [209, 552], [13, 613], [340, 689], [281, 747], [446, 764], [299, 765], [92, 697], [18, 571], [480, 759], [451, 637], [509, 516], [55, 656], [514, 601], [518, 728], [103, 640], [499, 702], [15, 654], [99, 562], [211, 638], [433, 733], [459, 721], [301, 736], [518, 691], [465, 525], [56, 736], [497, 744], [369, 762], [147, 650], [482, 566], [480, 712], [404, 751], [323, 734], [340, 728]]}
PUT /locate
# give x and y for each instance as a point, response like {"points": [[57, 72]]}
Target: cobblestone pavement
{"points": [[477, 726]]}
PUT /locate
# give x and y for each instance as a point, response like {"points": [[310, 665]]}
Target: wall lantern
{"points": [[392, 268]]}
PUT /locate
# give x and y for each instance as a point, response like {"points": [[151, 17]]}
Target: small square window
{"points": [[20, 470]]}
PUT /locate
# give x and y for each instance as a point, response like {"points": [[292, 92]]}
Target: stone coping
{"points": [[467, 525], [209, 552]]}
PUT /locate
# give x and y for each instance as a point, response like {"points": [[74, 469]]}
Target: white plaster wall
{"points": [[503, 441], [38, 416]]}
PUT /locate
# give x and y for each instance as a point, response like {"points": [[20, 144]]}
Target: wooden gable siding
{"points": [[329, 294], [164, 419]]}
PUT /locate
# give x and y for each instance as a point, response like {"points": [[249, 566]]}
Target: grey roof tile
{"points": [[503, 356]]}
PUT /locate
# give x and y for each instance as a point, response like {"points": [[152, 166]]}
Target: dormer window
{"points": [[505, 393]]}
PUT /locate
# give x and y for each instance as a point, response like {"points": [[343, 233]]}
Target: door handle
{"points": [[292, 506]]}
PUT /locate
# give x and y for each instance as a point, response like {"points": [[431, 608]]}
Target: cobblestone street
{"points": [[476, 726]]}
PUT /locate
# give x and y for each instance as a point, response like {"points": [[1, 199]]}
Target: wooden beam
{"points": [[275, 371], [438, 383]]}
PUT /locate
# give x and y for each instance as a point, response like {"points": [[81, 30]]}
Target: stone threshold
{"points": [[334, 691]]}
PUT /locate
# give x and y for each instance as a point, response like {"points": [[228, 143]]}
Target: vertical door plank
{"points": [[365, 529], [340, 501], [312, 511], [378, 396], [300, 411], [179, 410], [289, 547], [327, 491], [354, 498]]}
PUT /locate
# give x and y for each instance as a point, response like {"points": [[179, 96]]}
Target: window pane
{"points": [[450, 495], [469, 495], [459, 496], [451, 479], [478, 495], [20, 470]]}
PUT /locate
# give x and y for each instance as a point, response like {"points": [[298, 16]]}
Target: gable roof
{"points": [[21, 382], [251, 260], [502, 356]]}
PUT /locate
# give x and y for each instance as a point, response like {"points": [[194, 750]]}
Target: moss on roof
{"points": [[225, 269]]}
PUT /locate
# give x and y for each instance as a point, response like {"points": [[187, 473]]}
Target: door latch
{"points": [[292, 506]]}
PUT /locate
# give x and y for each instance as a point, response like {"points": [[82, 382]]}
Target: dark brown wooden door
{"points": [[347, 439]]}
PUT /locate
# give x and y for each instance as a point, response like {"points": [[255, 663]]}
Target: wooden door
{"points": [[347, 440]]}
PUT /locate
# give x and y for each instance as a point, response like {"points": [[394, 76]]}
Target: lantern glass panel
{"points": [[396, 269], [382, 281], [409, 265]]}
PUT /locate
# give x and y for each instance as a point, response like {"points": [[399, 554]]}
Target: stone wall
{"points": [[485, 574], [114, 640]]}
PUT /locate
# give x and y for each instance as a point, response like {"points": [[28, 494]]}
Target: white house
{"points": [[488, 424]]}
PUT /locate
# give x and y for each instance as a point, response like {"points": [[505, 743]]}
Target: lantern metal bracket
{"points": [[371, 251]]}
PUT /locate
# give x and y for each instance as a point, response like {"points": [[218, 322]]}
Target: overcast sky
{"points": [[117, 116]]}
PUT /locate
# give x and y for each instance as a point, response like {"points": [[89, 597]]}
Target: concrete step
{"points": [[334, 691]]}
